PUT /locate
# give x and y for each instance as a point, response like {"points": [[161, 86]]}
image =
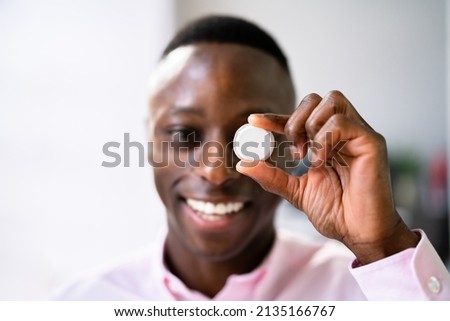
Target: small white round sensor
{"points": [[252, 143]]}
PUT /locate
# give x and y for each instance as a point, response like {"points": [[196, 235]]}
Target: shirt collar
{"points": [[237, 287]]}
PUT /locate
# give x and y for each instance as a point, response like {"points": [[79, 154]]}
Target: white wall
{"points": [[73, 76], [387, 56]]}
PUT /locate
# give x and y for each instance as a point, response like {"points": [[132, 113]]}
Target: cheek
{"points": [[164, 171], [268, 204]]}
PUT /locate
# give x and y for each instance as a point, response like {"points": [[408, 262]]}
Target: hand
{"points": [[346, 194]]}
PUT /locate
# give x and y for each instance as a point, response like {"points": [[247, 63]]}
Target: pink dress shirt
{"points": [[295, 269]]}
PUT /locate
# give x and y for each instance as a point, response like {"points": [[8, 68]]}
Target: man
{"points": [[221, 243]]}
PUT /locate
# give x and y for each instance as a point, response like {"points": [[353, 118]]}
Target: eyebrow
{"points": [[180, 109], [177, 109]]}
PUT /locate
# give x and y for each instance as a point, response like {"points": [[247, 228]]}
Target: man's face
{"points": [[200, 95]]}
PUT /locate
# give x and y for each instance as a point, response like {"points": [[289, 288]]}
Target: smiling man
{"points": [[217, 74], [220, 222]]}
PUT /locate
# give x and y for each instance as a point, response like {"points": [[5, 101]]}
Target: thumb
{"points": [[274, 180]]}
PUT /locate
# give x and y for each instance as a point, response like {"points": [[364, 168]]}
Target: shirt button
{"points": [[433, 284]]}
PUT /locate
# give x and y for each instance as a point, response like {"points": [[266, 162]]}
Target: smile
{"points": [[214, 211]]}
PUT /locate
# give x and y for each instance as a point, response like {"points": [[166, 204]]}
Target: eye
{"points": [[181, 134], [184, 136]]}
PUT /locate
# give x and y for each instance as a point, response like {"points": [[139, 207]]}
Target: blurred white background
{"points": [[73, 76]]}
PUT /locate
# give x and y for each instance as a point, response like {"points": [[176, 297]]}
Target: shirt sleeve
{"points": [[413, 274]]}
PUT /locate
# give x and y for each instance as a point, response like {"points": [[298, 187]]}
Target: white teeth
{"points": [[221, 209], [209, 208], [214, 210]]}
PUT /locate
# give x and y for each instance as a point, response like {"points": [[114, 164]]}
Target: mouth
{"points": [[214, 211], [210, 214]]}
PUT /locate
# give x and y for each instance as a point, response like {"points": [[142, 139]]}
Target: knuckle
{"points": [[311, 98], [336, 101], [334, 95], [381, 141]]}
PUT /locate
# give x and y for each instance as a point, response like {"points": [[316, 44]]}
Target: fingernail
{"points": [[252, 117]]}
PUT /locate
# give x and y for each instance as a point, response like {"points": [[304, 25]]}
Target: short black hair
{"points": [[227, 29]]}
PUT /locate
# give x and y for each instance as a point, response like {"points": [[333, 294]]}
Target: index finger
{"points": [[272, 122]]}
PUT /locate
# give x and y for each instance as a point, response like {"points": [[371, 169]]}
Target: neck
{"points": [[208, 274]]}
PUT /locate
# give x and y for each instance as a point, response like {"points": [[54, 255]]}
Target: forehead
{"points": [[208, 75]]}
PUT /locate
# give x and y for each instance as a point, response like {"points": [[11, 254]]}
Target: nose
{"points": [[216, 163]]}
